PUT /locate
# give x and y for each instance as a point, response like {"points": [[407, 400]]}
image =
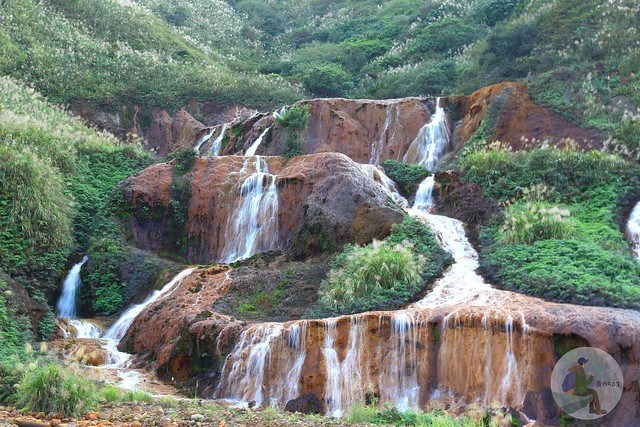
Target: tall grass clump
{"points": [[530, 222], [384, 274], [53, 389], [371, 270]]}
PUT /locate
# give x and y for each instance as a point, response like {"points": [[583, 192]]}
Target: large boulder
{"points": [[324, 202]]}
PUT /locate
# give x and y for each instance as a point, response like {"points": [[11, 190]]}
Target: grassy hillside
{"points": [[113, 52], [580, 57], [55, 174]]}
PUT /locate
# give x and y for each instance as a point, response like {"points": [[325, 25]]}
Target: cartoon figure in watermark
{"points": [[587, 383]]}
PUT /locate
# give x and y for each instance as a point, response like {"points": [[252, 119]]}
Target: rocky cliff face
{"points": [[499, 347], [516, 120], [324, 201]]}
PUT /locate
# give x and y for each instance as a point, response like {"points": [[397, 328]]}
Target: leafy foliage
{"points": [[570, 253], [385, 274], [408, 176], [293, 122]]}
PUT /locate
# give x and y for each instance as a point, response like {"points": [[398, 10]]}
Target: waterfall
{"points": [[424, 196], [333, 389], [431, 142], [386, 183], [277, 114], [633, 230], [265, 365], [119, 329], [66, 306], [204, 139], [217, 143], [378, 145], [426, 149], [398, 383], [85, 328], [255, 226], [254, 147]]}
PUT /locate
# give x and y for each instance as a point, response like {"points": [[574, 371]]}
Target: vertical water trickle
{"points": [[254, 147], [398, 382], [510, 380], [217, 143], [277, 114], [66, 306], [333, 390], [386, 183], [378, 145], [633, 230], [255, 225], [118, 329]]}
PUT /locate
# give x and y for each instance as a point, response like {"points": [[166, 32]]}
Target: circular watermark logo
{"points": [[587, 383]]}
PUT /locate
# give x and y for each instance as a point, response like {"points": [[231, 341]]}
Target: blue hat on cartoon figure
{"points": [[582, 361]]}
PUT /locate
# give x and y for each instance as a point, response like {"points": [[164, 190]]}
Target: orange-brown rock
{"points": [[171, 133], [520, 123], [324, 201], [364, 130], [498, 348], [88, 352]]}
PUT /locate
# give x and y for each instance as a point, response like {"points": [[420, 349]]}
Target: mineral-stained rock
{"points": [[516, 120], [324, 201]]}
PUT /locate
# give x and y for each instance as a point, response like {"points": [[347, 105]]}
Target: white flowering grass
{"points": [[533, 221], [370, 270]]}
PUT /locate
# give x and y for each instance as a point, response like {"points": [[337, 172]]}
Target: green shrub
{"points": [[294, 121], [370, 270], [184, 160], [110, 393], [326, 79], [53, 389], [383, 275], [408, 176], [137, 396]]}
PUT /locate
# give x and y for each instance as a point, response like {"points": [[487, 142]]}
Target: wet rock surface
{"points": [[324, 202]]}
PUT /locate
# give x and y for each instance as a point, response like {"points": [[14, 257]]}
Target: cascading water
{"points": [[265, 365], [204, 139], [633, 230], [255, 227], [118, 329], [254, 147], [386, 183], [66, 306], [217, 143], [432, 140], [424, 196]]}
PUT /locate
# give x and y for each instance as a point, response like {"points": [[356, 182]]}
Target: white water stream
{"points": [[66, 306], [254, 147], [254, 228], [633, 230]]}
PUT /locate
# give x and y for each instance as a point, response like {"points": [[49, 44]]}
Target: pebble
{"points": [[197, 417]]}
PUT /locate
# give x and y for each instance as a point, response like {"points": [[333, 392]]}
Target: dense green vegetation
{"points": [[112, 53], [392, 416], [407, 176], [56, 174], [559, 237], [383, 275], [293, 123]]}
